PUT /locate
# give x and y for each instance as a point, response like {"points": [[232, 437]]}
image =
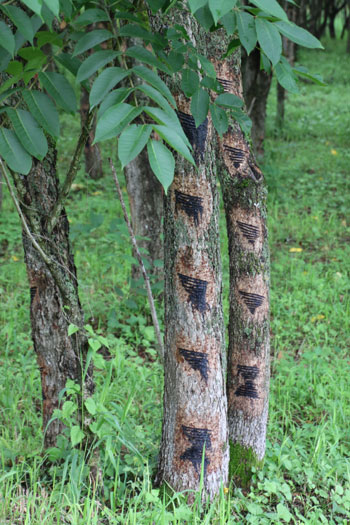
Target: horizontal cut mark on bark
{"points": [[190, 204], [197, 289], [197, 361], [32, 293], [249, 373], [235, 155], [198, 437], [226, 84], [252, 300], [250, 232], [196, 136]]}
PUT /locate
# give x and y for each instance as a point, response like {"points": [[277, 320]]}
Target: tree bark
{"points": [[194, 422], [256, 87], [244, 195], [54, 300], [92, 154], [146, 208]]}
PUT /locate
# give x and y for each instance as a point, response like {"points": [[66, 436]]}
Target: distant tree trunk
{"points": [[244, 195], [54, 300], [256, 87], [92, 154], [194, 421]]}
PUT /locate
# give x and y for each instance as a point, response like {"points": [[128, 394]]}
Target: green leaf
{"points": [[205, 18], [196, 4], [175, 141], [246, 31], [229, 22], [303, 72], [114, 98], [176, 61], [113, 121], [219, 118], [90, 406], [152, 78], [283, 513], [200, 106], [285, 76], [243, 120], [169, 119], [220, 8], [272, 7], [298, 35], [91, 39], [91, 16], [46, 37], [34, 5], [21, 21], [69, 62], [14, 68], [13, 152], [269, 39], [60, 89], [207, 66], [72, 329], [146, 57], [7, 40], [54, 6], [43, 110], [228, 100], [76, 435], [157, 97], [28, 132], [94, 62], [132, 141], [162, 162], [189, 82], [136, 31], [105, 82]]}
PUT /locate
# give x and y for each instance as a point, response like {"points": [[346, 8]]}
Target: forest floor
{"points": [[306, 476]]}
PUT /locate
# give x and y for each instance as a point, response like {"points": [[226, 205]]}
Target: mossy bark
{"points": [[54, 300], [244, 195], [194, 436]]}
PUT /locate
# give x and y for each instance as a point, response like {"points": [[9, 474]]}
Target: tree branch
{"points": [[144, 273]]}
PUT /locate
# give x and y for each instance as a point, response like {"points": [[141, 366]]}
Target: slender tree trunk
{"points": [[92, 154], [256, 85], [146, 207], [54, 300], [244, 197], [194, 421]]}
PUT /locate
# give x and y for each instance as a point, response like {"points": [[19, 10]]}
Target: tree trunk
{"points": [[54, 301], [331, 25], [92, 154], [194, 421], [244, 197], [256, 86], [146, 207]]}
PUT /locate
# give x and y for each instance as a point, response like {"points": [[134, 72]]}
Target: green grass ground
{"points": [[307, 469]]}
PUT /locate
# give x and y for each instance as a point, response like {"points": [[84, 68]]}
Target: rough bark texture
{"points": [[244, 196], [54, 301], [256, 87], [92, 154], [146, 207], [194, 421]]}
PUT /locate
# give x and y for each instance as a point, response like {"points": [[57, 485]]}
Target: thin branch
{"points": [[144, 273], [72, 171]]}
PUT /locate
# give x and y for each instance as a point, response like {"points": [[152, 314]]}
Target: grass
{"points": [[306, 474]]}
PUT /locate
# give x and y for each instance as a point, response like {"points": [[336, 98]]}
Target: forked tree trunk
{"points": [[146, 207], [54, 301], [244, 196], [194, 422]]}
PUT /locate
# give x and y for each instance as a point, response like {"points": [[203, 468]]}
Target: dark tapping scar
{"points": [[32, 293], [198, 437], [250, 232], [248, 389], [196, 289], [235, 155], [226, 84], [196, 136], [197, 361], [252, 300], [191, 205]]}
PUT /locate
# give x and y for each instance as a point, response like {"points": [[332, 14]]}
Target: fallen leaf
{"points": [[318, 317], [14, 258], [296, 250]]}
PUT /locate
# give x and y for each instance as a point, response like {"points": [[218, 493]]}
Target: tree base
{"points": [[242, 460]]}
